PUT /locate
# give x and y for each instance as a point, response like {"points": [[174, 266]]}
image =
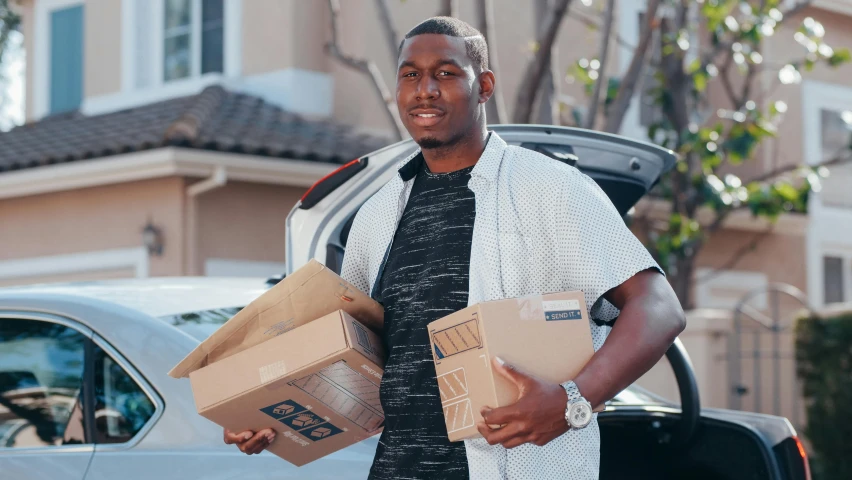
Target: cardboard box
{"points": [[316, 385], [545, 335], [307, 294], [295, 360]]}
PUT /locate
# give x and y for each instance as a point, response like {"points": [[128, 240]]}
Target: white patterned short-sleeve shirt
{"points": [[541, 226]]}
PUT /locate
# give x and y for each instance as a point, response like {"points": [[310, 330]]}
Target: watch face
{"points": [[580, 414]]}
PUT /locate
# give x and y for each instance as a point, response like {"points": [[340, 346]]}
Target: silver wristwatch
{"points": [[578, 412]]}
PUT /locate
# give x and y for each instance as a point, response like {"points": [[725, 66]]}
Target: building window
{"points": [[66, 59], [833, 279], [193, 38]]}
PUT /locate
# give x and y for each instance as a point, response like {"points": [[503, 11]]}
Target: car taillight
{"points": [[330, 182], [801, 448]]}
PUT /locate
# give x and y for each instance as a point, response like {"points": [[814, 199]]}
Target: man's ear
{"points": [[487, 82]]}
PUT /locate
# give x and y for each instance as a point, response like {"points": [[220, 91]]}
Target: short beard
{"points": [[432, 143]]}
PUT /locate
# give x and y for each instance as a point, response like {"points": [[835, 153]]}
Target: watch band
{"points": [[578, 411], [572, 391]]}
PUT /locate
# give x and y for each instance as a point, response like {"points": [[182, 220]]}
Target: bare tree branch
{"points": [[366, 67], [726, 81], [604, 54], [449, 8], [495, 108], [637, 64], [547, 85], [536, 66], [837, 159], [388, 29]]}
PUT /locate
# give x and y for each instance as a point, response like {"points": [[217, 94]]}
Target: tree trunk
{"points": [[681, 280], [537, 65], [632, 77], [449, 8], [601, 81], [547, 85], [495, 108]]}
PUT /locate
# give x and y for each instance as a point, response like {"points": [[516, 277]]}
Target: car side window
{"points": [[41, 375], [121, 406]]}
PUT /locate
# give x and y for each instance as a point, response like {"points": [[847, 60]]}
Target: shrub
{"points": [[824, 366]]}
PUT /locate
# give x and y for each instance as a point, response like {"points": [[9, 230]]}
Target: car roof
{"points": [[156, 296]]}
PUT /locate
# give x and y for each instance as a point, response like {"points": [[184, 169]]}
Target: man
{"points": [[467, 220]]}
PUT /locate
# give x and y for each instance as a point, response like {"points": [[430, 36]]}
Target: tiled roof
{"points": [[215, 119]]}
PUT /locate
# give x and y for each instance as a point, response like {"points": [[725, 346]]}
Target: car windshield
{"points": [[201, 324]]}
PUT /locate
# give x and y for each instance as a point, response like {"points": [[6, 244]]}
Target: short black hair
{"points": [[474, 41]]}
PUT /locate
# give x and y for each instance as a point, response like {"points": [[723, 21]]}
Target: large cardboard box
{"points": [[317, 386], [295, 360], [545, 335], [307, 294]]}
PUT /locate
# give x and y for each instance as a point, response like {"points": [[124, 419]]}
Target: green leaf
{"points": [[840, 57], [693, 66], [787, 191], [700, 80]]}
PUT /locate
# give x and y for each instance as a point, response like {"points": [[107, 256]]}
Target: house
{"points": [[171, 119]]}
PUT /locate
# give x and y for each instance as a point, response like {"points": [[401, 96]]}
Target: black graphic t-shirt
{"points": [[425, 278]]}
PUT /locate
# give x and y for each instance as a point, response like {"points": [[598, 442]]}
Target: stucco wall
{"points": [[96, 219], [243, 221]]}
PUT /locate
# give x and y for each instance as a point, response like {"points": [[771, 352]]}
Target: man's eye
{"points": [[409, 74], [445, 73]]}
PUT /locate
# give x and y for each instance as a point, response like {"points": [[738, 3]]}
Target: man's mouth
{"points": [[426, 117]]}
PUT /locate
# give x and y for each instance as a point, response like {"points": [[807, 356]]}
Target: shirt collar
{"points": [[487, 166]]}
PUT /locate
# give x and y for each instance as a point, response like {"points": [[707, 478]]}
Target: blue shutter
{"points": [[66, 59]]}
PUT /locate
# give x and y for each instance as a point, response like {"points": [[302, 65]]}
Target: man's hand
{"points": [[537, 417], [250, 443]]}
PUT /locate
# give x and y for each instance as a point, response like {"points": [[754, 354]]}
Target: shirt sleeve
{"points": [[599, 252], [354, 269]]}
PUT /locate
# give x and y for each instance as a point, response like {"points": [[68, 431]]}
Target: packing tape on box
{"points": [[272, 371], [530, 308]]}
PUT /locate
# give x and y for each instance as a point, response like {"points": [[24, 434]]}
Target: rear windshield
{"points": [[201, 324]]}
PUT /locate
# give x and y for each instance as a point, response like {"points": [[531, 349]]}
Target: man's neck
{"points": [[461, 155]]}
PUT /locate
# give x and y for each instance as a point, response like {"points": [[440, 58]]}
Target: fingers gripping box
{"points": [[545, 335]]}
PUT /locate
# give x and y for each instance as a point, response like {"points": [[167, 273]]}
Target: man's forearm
{"points": [[646, 327]]}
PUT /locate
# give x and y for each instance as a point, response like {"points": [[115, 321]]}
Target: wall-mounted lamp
{"points": [[152, 237]]}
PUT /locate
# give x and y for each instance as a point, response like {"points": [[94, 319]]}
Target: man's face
{"points": [[437, 90]]}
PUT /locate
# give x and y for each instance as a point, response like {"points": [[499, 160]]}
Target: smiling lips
{"points": [[426, 117]]}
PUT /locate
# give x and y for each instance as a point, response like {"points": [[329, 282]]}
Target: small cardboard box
{"points": [[307, 294], [546, 335], [317, 386]]}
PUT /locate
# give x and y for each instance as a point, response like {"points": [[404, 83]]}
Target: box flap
{"points": [[309, 293]]}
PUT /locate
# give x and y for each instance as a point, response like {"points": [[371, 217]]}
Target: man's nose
{"points": [[427, 88]]}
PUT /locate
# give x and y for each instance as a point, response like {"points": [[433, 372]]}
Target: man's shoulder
{"points": [[531, 169]]}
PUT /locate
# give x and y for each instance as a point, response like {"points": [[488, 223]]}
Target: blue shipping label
{"points": [[563, 315], [561, 310], [319, 432], [283, 409]]}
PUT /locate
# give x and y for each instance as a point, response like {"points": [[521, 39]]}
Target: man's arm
{"points": [[650, 320]]}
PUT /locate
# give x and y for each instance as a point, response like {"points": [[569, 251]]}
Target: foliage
{"points": [[823, 359], [9, 21], [709, 140]]}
